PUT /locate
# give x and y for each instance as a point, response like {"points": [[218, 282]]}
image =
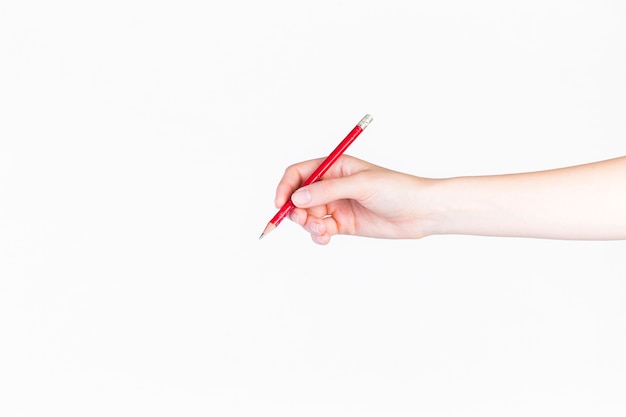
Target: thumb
{"points": [[327, 191]]}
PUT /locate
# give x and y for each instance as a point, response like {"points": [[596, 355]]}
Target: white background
{"points": [[140, 146]]}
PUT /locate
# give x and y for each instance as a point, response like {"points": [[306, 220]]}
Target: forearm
{"points": [[580, 202]]}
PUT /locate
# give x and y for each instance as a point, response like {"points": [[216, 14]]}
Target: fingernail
{"points": [[301, 196], [313, 228]]}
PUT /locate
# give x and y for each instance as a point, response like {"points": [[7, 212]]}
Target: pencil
{"points": [[321, 170]]}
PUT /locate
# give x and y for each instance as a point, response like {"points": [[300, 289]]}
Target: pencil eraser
{"points": [[365, 121]]}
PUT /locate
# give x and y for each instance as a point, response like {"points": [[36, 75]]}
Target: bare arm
{"points": [[580, 202], [359, 198]]}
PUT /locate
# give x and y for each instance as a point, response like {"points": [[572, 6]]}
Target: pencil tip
{"points": [[270, 226]]}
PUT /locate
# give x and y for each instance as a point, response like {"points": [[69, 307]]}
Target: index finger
{"points": [[294, 175]]}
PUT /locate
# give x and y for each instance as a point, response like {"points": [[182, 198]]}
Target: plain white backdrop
{"points": [[140, 146]]}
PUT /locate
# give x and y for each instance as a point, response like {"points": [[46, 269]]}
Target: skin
{"points": [[355, 197]]}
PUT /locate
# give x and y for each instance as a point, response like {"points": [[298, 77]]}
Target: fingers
{"points": [[321, 239], [354, 187], [312, 211], [296, 174], [320, 228], [348, 178], [292, 178]]}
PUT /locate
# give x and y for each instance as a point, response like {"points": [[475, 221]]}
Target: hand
{"points": [[355, 198]]}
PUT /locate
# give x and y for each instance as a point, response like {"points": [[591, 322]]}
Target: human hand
{"points": [[355, 198]]}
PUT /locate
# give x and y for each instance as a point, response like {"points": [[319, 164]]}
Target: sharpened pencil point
{"points": [[270, 226]]}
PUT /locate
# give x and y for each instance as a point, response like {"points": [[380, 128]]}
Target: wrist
{"points": [[432, 206], [455, 206]]}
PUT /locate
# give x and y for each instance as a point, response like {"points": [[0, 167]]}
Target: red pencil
{"points": [[321, 170]]}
